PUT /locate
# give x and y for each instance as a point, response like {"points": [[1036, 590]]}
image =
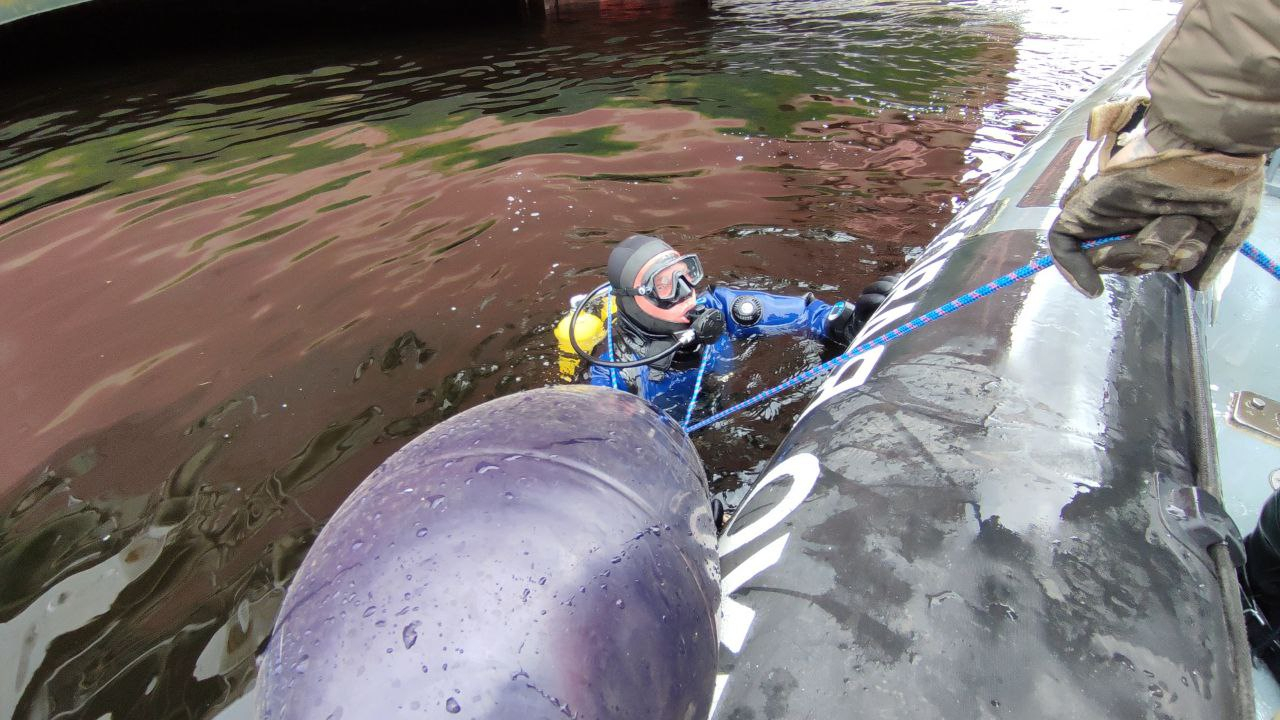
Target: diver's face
{"points": [[671, 282]]}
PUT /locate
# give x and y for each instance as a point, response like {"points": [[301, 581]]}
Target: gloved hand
{"points": [[845, 318], [872, 297], [842, 323], [1189, 209]]}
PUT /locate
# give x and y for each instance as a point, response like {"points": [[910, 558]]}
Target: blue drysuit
{"points": [[670, 390]]}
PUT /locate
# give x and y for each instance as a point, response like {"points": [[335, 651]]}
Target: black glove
{"points": [[872, 297], [842, 323], [845, 319]]}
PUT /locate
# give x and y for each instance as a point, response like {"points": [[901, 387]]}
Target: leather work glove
{"points": [[1189, 209]]}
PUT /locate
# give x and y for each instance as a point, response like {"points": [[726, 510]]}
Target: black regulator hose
{"points": [[617, 365]]}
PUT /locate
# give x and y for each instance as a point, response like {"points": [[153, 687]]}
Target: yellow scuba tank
{"points": [[589, 332]]}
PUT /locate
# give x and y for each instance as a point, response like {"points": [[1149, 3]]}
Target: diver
{"points": [[665, 327]]}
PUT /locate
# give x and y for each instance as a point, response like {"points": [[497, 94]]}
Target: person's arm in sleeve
{"points": [[1184, 175], [749, 313], [1215, 79]]}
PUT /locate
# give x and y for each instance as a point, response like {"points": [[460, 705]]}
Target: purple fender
{"points": [[547, 554]]}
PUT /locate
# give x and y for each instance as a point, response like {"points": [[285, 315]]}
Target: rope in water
{"points": [[608, 333], [968, 298], [697, 385], [1248, 249]]}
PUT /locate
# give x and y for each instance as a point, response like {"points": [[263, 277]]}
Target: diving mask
{"points": [[669, 279]]}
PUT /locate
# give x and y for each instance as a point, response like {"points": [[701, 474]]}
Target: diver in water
{"points": [[665, 326]]}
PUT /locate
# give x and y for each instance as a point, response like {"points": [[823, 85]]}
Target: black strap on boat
{"points": [[1199, 519]]}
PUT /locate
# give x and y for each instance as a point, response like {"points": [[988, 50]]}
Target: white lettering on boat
{"points": [[803, 469], [735, 617]]}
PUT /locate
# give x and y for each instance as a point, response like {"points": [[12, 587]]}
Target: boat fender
{"points": [[549, 553]]}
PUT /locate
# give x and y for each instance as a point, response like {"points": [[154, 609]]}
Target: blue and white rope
{"points": [[1252, 252], [938, 313], [697, 385], [608, 333]]}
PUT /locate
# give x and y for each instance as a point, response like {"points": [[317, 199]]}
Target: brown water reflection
{"points": [[232, 291], [342, 255]]}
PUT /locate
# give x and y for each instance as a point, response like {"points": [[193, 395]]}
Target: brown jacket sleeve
{"points": [[1215, 78]]}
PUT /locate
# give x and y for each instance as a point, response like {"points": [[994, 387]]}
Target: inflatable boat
{"points": [[1021, 511]]}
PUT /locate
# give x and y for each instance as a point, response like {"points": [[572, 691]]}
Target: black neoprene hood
{"points": [[630, 255], [624, 264]]}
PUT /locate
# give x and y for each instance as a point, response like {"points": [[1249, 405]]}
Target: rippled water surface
{"points": [[233, 284]]}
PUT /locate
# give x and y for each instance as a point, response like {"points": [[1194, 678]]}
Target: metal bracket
{"points": [[1255, 414], [1199, 517], [1273, 174]]}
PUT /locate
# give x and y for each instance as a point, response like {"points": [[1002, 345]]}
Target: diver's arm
{"points": [[751, 313]]}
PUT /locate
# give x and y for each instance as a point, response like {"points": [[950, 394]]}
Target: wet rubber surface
{"points": [[553, 552], [235, 283]]}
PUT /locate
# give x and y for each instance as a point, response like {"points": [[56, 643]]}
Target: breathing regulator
{"points": [[706, 325]]}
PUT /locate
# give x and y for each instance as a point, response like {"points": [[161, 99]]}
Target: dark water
{"points": [[233, 283]]}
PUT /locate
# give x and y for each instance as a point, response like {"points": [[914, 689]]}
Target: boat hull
{"points": [[975, 521]]}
